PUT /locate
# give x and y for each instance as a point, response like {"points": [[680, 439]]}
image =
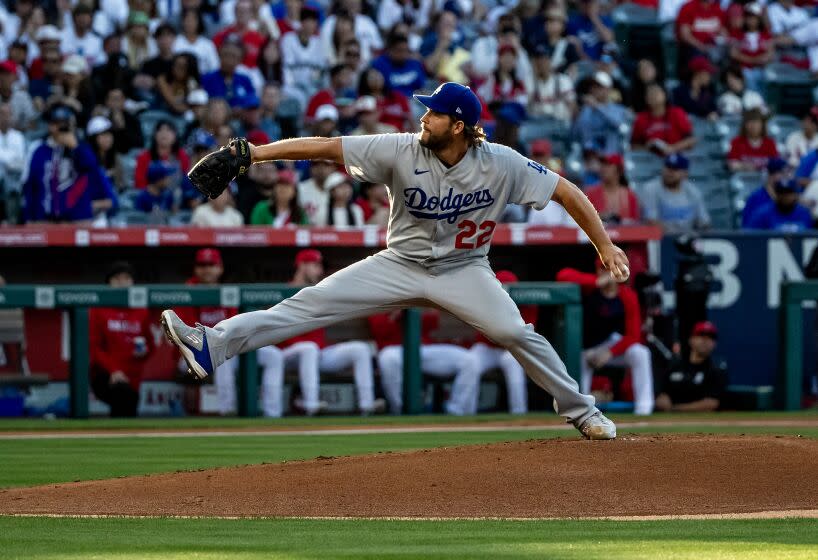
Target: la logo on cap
{"points": [[440, 87], [458, 111]]}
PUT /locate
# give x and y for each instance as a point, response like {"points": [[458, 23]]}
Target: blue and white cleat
{"points": [[191, 342], [598, 427]]}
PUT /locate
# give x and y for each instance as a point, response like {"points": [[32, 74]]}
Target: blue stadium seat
{"points": [[789, 89], [553, 130]]}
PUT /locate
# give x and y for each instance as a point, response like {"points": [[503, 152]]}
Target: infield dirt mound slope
{"points": [[634, 475]]}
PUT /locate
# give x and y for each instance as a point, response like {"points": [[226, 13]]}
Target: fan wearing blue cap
{"points": [[777, 169], [784, 214], [672, 201], [448, 189]]}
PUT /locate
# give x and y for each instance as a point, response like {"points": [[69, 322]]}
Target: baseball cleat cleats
{"points": [[597, 426], [191, 342]]}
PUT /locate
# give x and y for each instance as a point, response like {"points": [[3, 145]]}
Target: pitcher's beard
{"points": [[436, 143]]}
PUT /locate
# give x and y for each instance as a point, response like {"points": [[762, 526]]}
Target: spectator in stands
{"points": [[414, 14], [402, 73], [753, 147], [488, 356], [737, 98], [593, 29], [137, 44], [268, 114], [504, 84], [801, 142], [615, 202], [75, 89], [248, 112], [393, 105], [115, 73], [22, 108], [369, 118], [243, 30], [753, 47], [508, 118], [157, 198], [442, 48], [374, 202], [159, 65], [304, 60], [120, 340], [62, 177], [784, 214], [437, 359], [12, 154], [41, 89], [553, 93], [700, 29], [255, 186], [646, 74], [342, 211], [365, 29], [777, 169], [326, 121], [270, 66], [125, 127], [196, 114], [696, 382], [661, 128], [565, 51], [600, 120], [208, 270], [313, 194], [485, 51], [350, 55], [672, 202], [613, 332], [177, 83], [165, 147], [785, 17], [99, 135], [217, 213], [192, 40], [78, 37], [340, 85], [282, 208], [343, 31], [696, 95], [228, 82]]}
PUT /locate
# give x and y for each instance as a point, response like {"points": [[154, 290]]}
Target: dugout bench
{"points": [[78, 299]]}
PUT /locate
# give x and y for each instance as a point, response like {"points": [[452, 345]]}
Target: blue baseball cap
{"points": [[158, 171], [787, 186], [676, 161], [455, 100], [511, 112], [776, 164], [202, 139]]}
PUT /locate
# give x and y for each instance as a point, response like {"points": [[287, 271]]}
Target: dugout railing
{"points": [[791, 330], [566, 325]]}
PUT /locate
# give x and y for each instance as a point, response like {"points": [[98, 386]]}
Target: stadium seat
{"points": [[789, 89], [180, 218], [637, 32], [148, 120], [781, 126], [553, 130], [670, 50], [728, 126]]}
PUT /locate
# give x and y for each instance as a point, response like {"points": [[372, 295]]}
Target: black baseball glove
{"points": [[213, 173]]}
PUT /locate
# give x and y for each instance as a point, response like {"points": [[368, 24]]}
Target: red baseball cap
{"points": [[506, 277], [8, 66], [614, 159], [286, 176], [308, 256], [208, 256], [705, 328], [541, 147], [701, 64], [258, 137]]}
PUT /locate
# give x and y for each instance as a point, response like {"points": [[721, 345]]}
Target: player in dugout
{"points": [[120, 341], [696, 382], [612, 332]]}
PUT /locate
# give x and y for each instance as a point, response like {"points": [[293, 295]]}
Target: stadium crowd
{"points": [[105, 104]]}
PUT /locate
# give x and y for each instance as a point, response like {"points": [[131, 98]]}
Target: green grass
{"points": [[203, 539], [36, 424]]}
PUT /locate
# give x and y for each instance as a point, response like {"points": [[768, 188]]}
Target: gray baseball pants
{"points": [[385, 282]]}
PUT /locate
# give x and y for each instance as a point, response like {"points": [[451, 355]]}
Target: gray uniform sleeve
{"points": [[702, 215], [532, 184], [371, 158], [650, 203]]}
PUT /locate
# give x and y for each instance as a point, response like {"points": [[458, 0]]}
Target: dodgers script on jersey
{"points": [[438, 214]]}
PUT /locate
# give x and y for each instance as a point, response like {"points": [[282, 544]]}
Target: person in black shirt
{"points": [[697, 95], [696, 383]]}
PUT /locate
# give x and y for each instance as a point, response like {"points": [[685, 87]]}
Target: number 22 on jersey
{"points": [[465, 239]]}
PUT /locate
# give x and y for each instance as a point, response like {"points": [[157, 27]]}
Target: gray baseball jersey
{"points": [[440, 215]]}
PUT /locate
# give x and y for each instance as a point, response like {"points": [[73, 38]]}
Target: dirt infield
{"points": [[632, 476]]}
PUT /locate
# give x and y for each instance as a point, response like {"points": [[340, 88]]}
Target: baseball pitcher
{"points": [[448, 188]]}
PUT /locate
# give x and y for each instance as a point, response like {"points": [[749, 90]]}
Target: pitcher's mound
{"points": [[634, 475]]}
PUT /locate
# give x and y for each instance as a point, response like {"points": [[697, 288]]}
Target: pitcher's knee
{"points": [[509, 336]]}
